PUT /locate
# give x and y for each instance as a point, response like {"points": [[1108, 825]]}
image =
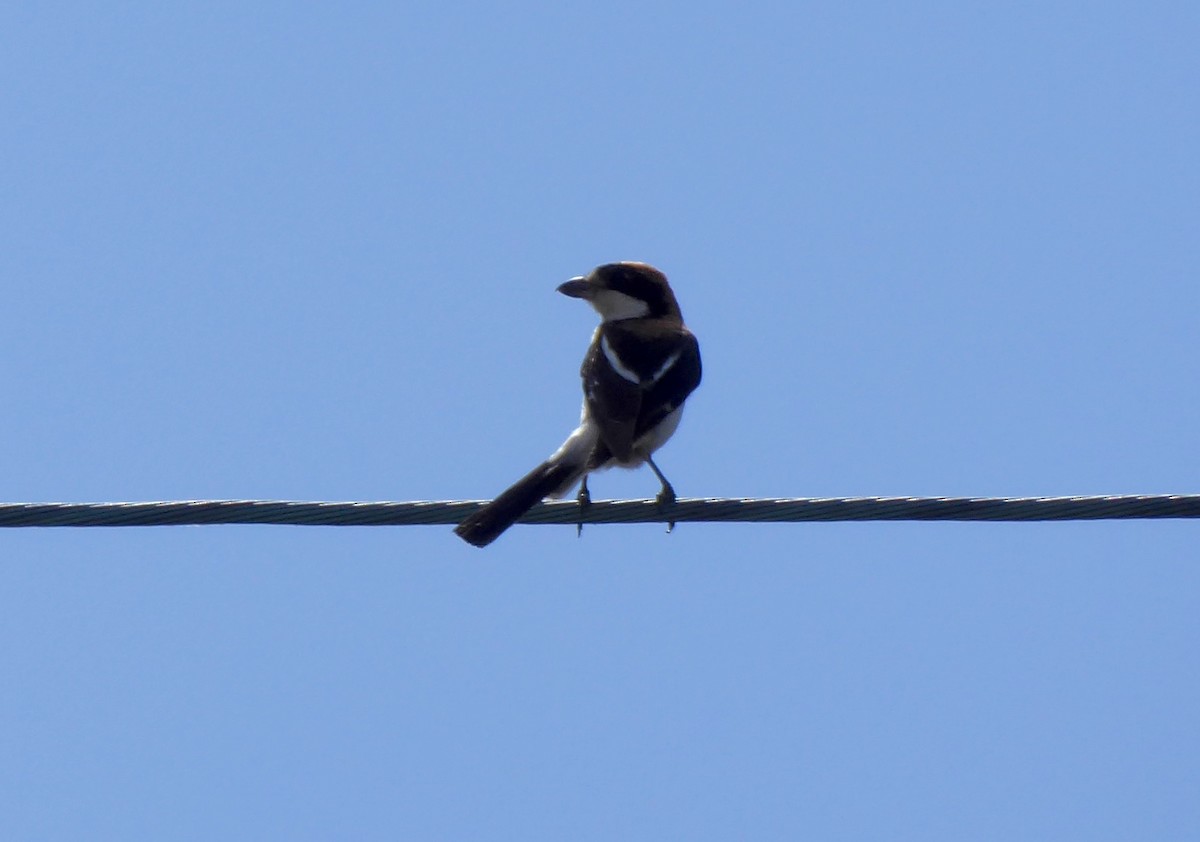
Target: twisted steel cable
{"points": [[700, 509]]}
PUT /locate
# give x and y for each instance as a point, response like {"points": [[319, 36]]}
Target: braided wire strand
{"points": [[685, 510]]}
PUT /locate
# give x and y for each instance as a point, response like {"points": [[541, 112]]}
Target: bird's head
{"points": [[626, 290]]}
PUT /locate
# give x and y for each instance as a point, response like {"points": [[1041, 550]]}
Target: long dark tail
{"points": [[488, 523]]}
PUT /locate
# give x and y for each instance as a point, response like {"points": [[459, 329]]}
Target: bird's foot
{"points": [[666, 501], [584, 499]]}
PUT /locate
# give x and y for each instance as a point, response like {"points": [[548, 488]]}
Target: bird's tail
{"points": [[552, 477]]}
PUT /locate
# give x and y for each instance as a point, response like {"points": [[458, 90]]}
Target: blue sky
{"points": [[285, 251]]}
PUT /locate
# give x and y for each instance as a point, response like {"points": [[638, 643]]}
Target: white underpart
{"points": [[580, 444], [614, 306], [615, 362], [576, 450], [657, 436], [654, 438], [582, 441]]}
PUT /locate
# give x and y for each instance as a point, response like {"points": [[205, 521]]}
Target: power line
{"points": [[703, 509]]}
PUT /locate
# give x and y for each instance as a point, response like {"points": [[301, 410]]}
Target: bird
{"points": [[639, 369]]}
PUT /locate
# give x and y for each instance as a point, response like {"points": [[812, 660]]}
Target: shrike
{"points": [[640, 368]]}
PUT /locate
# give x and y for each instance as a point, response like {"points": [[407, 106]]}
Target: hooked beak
{"points": [[576, 288]]}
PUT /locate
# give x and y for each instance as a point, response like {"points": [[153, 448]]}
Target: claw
{"points": [[666, 500], [666, 497]]}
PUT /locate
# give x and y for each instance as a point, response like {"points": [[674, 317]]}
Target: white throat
{"points": [[614, 306]]}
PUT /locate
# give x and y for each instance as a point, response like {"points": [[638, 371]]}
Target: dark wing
{"points": [[669, 392], [636, 373], [613, 400]]}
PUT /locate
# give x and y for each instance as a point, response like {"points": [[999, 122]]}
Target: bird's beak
{"points": [[577, 288]]}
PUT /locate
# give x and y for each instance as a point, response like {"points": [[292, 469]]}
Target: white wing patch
{"points": [[615, 362], [665, 367]]}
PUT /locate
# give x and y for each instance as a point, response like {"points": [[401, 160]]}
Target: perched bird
{"points": [[641, 366]]}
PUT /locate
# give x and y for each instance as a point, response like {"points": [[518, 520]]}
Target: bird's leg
{"points": [[584, 499], [666, 497]]}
